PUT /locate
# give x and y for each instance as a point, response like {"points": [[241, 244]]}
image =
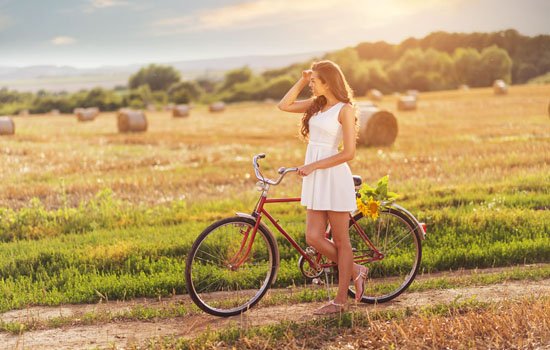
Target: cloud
{"points": [[98, 4], [63, 40], [260, 13], [241, 15]]}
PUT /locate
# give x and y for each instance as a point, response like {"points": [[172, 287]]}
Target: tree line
{"points": [[439, 61]]}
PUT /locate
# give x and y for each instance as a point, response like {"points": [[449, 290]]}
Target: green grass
{"points": [[106, 248]]}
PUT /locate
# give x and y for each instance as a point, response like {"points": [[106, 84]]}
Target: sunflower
{"points": [[369, 208], [373, 208], [362, 207]]}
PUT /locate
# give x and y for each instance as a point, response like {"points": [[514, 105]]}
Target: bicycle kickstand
{"points": [[326, 270]]}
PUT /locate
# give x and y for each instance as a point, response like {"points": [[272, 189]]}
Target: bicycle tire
{"points": [[388, 279], [209, 255]]}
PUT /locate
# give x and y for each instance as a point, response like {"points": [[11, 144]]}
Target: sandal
{"points": [[359, 282], [330, 308]]}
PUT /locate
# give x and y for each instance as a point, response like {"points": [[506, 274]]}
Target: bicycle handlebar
{"points": [[282, 171]]}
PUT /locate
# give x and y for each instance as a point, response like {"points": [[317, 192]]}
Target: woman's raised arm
{"points": [[289, 104]]}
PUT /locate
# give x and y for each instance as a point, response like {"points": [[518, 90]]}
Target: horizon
{"points": [[100, 33]]}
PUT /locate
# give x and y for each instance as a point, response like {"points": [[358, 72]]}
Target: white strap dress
{"points": [[331, 188]]}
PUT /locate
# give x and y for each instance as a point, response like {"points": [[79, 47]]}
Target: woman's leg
{"points": [[316, 224], [339, 222]]}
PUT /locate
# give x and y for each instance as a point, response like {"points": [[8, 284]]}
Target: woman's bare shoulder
{"points": [[345, 111]]}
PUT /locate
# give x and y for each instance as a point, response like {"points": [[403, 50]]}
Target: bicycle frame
{"points": [[260, 211]]}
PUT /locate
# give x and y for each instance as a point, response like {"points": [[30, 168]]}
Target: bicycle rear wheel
{"points": [[394, 235], [221, 278]]}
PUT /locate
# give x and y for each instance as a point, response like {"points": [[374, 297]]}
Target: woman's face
{"points": [[318, 88]]}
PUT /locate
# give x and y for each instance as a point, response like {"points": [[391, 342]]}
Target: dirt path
{"points": [[124, 334]]}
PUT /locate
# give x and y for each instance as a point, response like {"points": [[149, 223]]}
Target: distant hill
{"points": [[66, 78]]}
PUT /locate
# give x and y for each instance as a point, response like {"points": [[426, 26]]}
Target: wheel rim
{"points": [[221, 284], [394, 237]]}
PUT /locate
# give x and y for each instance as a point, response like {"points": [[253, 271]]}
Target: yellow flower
{"points": [[362, 207], [369, 207], [373, 208]]}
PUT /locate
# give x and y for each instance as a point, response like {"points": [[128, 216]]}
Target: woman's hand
{"points": [[305, 170], [306, 75]]}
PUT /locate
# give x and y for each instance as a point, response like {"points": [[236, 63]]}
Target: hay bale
{"points": [[181, 111], [7, 126], [151, 107], [500, 87], [86, 114], [376, 127], [463, 87], [406, 103], [217, 107], [129, 120], [54, 112], [375, 95], [23, 112]]}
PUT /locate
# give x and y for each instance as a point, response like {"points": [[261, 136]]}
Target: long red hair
{"points": [[331, 74]]}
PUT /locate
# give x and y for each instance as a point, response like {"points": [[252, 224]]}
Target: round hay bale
{"points": [[54, 112], [217, 107], [375, 95], [406, 103], [151, 107], [463, 87], [181, 111], [7, 126], [24, 112], [376, 127], [86, 114], [500, 87], [131, 121]]}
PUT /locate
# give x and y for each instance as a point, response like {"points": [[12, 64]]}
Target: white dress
{"points": [[330, 188]]}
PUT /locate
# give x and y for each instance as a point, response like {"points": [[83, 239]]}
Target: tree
{"points": [[185, 92], [422, 70], [466, 66], [353, 68], [236, 76], [105, 100], [277, 87], [379, 50], [495, 64], [155, 76]]}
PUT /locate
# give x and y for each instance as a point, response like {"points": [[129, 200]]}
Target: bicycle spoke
{"points": [[217, 280], [396, 240]]}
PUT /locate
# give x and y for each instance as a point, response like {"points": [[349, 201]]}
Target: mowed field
{"points": [[89, 215]]}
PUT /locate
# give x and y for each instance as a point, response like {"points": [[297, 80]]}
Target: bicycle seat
{"points": [[357, 181]]}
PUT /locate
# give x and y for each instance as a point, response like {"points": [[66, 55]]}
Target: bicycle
{"points": [[234, 261]]}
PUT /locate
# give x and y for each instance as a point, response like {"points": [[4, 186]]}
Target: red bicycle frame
{"points": [[260, 211]]}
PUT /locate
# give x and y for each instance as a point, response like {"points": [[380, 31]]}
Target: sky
{"points": [[93, 33]]}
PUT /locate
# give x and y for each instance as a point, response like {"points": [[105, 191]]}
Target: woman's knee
{"points": [[312, 239]]}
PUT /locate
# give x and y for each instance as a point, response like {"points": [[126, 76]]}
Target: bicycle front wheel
{"points": [[394, 236], [226, 272]]}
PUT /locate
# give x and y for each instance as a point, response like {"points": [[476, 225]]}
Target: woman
{"points": [[327, 189]]}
